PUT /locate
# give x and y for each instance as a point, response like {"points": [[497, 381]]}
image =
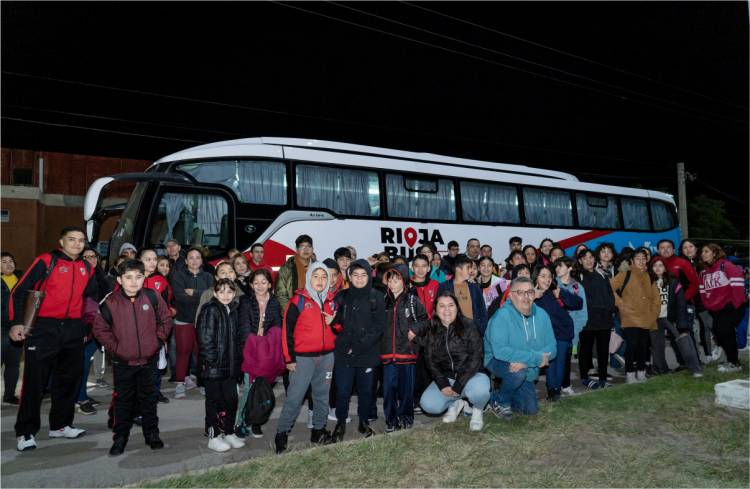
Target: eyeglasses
{"points": [[90, 257], [527, 293]]}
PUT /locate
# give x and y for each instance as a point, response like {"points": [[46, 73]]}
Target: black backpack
{"points": [[260, 402]]}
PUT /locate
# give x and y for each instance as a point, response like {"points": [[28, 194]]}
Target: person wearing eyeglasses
{"points": [[519, 341]]}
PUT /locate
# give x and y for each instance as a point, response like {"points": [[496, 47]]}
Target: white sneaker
{"points": [[310, 419], [568, 391], [640, 376], [218, 444], [202, 391], [190, 382], [234, 441], [26, 442], [453, 411], [332, 416], [698, 375], [67, 432], [477, 420], [630, 378], [179, 391], [729, 368], [717, 353]]}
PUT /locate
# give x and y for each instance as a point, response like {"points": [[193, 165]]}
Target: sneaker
{"points": [[280, 442], [190, 383], [568, 391], [730, 368], [118, 446], [218, 444], [640, 376], [93, 402], [332, 416], [101, 383], [25, 442], [502, 412], [67, 432], [321, 437], [604, 385], [468, 410], [11, 401], [590, 383], [390, 428], [697, 375], [716, 353], [553, 395], [202, 390], [154, 442], [234, 441], [418, 411], [453, 411], [309, 419], [630, 378], [161, 398], [255, 431], [477, 420], [179, 391], [86, 408]]}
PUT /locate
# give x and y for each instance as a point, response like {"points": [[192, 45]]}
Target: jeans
{"points": [[476, 390], [515, 391], [346, 378], [314, 372], [556, 369], [88, 353], [398, 393]]}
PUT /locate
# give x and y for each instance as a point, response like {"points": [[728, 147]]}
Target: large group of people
{"points": [[442, 335]]}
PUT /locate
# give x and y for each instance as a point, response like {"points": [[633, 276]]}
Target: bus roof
{"points": [[275, 147]]}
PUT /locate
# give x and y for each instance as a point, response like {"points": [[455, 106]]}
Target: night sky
{"points": [[612, 92]]}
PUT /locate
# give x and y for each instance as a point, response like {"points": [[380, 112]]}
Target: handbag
{"points": [[33, 301], [615, 342]]}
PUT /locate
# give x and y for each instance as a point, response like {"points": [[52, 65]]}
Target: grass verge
{"points": [[664, 433]]}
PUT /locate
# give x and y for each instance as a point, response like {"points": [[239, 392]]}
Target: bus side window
{"points": [[635, 213]]}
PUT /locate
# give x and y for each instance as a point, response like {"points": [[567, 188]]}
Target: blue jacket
{"points": [[478, 307], [511, 337], [581, 316], [562, 323]]}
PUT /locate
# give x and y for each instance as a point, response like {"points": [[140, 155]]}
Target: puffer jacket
{"points": [[286, 282], [250, 315], [220, 350], [450, 356], [402, 314], [305, 332], [129, 329], [640, 303]]}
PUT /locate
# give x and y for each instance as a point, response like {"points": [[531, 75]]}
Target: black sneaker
{"points": [[154, 442], [86, 408], [255, 431], [162, 398], [280, 441], [93, 402], [365, 429], [390, 428], [321, 436], [118, 446], [339, 432], [502, 412], [138, 420]]}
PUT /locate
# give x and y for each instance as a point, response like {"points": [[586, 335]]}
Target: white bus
{"points": [[232, 194]]}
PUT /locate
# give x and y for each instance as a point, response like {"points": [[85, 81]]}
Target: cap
{"points": [[127, 246]]}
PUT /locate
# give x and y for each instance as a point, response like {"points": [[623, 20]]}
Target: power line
{"points": [[576, 56], [497, 63], [117, 119], [534, 63], [96, 129]]}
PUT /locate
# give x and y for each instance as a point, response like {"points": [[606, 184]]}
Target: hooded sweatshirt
{"points": [[514, 338], [359, 322], [722, 283]]}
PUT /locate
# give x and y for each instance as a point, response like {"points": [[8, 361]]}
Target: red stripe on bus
{"points": [[582, 238]]}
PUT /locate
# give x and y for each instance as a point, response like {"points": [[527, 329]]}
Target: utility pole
{"points": [[682, 199]]}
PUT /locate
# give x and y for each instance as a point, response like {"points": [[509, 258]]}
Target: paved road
{"points": [[85, 462]]}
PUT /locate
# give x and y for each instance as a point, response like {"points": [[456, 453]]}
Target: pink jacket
{"points": [[720, 284]]}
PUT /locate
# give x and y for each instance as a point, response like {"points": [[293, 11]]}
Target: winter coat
{"points": [[514, 338], [402, 314], [249, 313], [600, 301], [677, 306], [450, 356], [219, 346], [360, 318], [721, 283], [130, 330], [286, 282], [557, 309], [478, 306], [640, 303], [187, 305], [160, 285], [683, 270], [208, 294], [305, 332]]}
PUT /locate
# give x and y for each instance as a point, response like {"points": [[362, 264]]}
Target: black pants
{"points": [[725, 330], [55, 349], [586, 350], [637, 344], [346, 378], [135, 391], [11, 360], [423, 378], [221, 406]]}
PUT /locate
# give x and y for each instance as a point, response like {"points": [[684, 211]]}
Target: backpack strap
{"points": [[624, 283], [154, 301], [48, 272]]}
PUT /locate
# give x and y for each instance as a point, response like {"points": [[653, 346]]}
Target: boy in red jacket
{"points": [[132, 324]]}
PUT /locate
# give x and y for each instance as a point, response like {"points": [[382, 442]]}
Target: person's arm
{"points": [[421, 323], [474, 361], [33, 275], [164, 325], [103, 330], [570, 300], [736, 284], [479, 308], [692, 278], [208, 321]]}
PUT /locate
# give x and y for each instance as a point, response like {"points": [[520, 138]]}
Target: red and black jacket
{"points": [[130, 329], [427, 292], [402, 314], [64, 288], [305, 332], [160, 285]]}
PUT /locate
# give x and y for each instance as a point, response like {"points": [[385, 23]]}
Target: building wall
{"points": [[37, 215]]}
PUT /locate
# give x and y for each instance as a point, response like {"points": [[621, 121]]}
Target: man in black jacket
{"points": [[360, 319]]}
